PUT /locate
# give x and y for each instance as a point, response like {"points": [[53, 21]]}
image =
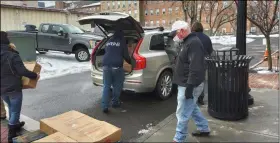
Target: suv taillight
{"points": [[94, 50], [140, 60]]}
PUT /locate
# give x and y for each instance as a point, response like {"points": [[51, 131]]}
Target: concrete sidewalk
{"points": [[260, 126]]}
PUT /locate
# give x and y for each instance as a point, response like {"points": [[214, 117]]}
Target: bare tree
{"points": [[263, 15], [192, 10], [219, 13]]}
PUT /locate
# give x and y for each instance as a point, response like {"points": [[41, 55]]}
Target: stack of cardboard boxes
{"points": [[74, 126]]}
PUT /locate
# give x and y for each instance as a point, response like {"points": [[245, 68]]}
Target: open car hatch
{"points": [[108, 22]]}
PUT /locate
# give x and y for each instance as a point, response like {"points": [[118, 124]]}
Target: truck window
{"points": [[45, 28], [157, 42], [55, 29]]}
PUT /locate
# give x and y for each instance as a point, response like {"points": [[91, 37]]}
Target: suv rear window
{"points": [[157, 42]]}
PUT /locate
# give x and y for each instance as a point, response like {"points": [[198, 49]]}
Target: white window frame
{"points": [[129, 12], [224, 30], [151, 23], [157, 11], [146, 12], [163, 10], [163, 22], [146, 23], [253, 29], [151, 12], [157, 23], [170, 10]]}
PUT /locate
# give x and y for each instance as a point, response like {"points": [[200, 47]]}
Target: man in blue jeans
{"points": [[189, 76], [113, 74]]}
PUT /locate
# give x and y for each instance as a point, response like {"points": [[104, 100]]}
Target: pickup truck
{"points": [[62, 37]]}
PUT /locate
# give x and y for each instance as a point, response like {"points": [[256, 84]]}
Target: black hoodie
{"points": [[12, 70]]}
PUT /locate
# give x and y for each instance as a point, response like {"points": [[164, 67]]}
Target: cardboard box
{"points": [[126, 66], [31, 83], [56, 137], [81, 128]]}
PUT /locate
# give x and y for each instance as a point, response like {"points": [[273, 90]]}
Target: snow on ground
{"points": [[56, 64], [145, 131], [227, 40], [262, 36], [263, 70]]}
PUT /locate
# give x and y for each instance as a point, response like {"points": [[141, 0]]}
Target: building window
{"points": [[176, 10], [146, 24], [123, 4], [157, 23], [151, 23], [253, 29], [129, 3], [108, 5], [207, 19], [135, 2], [224, 30], [216, 5], [129, 12], [113, 5], [119, 4], [163, 11], [170, 10], [146, 12], [225, 4], [199, 6], [135, 12], [207, 6], [213, 30], [151, 12], [157, 11], [163, 22]]}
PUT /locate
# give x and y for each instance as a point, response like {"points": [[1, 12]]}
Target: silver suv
{"points": [[152, 70]]}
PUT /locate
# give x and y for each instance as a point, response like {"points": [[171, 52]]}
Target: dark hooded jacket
{"points": [[12, 70], [116, 51]]}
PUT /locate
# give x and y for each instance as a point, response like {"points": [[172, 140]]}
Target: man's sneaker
{"points": [[200, 134], [106, 110]]}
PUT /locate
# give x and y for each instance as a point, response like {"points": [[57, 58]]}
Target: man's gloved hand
{"points": [[189, 91]]}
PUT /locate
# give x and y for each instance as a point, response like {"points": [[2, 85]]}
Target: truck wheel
{"points": [[82, 55], [164, 85]]}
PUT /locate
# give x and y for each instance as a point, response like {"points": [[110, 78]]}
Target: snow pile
{"points": [[255, 108], [145, 131], [227, 40], [262, 36], [263, 70], [59, 64]]}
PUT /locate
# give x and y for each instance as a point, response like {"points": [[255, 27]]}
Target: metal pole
{"points": [[241, 35]]}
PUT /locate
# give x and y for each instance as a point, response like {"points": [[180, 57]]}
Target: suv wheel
{"points": [[82, 55], [164, 85]]}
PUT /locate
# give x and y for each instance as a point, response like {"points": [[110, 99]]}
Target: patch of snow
{"points": [[227, 40], [59, 64], [262, 36], [267, 131], [222, 127], [255, 108], [123, 111], [145, 131], [275, 123]]}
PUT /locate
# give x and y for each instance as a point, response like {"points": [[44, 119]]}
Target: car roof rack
{"points": [[160, 28]]}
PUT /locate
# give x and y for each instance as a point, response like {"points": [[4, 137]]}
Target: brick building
{"points": [[129, 7], [161, 13], [92, 8]]}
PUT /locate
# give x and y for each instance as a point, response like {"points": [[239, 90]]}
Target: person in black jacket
{"points": [[116, 51], [197, 28], [189, 76], [12, 70]]}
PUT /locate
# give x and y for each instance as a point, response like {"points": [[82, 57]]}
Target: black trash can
{"points": [[228, 84]]}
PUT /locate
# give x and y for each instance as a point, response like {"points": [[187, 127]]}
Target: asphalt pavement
{"points": [[76, 92]]}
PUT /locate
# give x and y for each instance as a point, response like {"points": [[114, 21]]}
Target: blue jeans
{"points": [[112, 77], [187, 108], [14, 102]]}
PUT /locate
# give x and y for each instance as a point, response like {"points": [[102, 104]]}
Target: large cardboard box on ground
{"points": [[30, 83], [81, 128], [126, 66], [56, 137]]}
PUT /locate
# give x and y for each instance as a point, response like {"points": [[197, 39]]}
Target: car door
{"points": [[43, 39], [60, 42]]}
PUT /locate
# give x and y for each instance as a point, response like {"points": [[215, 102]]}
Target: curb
{"points": [[262, 60], [155, 128]]}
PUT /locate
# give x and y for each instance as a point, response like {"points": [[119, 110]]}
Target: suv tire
{"points": [[82, 55], [164, 85]]}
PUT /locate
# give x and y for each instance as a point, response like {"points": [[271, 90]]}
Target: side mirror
{"points": [[60, 33]]}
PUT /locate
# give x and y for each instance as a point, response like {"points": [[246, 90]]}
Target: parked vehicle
{"points": [[152, 70], [62, 37]]}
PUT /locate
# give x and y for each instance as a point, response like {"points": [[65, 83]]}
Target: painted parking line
{"points": [[30, 124]]}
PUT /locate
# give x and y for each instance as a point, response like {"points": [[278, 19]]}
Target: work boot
{"points": [[200, 100], [106, 110], [12, 132], [200, 134], [3, 117], [19, 125]]}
